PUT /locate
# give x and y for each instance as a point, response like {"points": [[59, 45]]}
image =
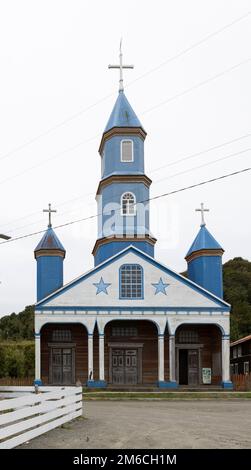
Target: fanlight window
{"points": [[124, 331], [61, 335], [128, 204], [127, 151], [188, 336], [131, 281]]}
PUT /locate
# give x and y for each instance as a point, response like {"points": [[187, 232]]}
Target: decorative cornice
{"points": [[117, 238], [53, 252], [204, 252], [121, 131], [123, 179]]}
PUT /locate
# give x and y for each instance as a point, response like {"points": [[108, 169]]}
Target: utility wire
{"points": [[172, 98], [204, 164], [154, 69], [197, 85], [197, 154], [156, 181], [94, 216]]}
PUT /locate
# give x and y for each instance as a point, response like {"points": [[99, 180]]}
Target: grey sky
{"points": [[54, 57]]}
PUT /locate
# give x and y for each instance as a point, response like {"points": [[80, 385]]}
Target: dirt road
{"points": [[154, 424]]}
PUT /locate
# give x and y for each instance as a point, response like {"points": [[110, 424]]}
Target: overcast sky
{"points": [[56, 95]]}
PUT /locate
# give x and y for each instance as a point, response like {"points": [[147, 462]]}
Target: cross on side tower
{"points": [[202, 210], [120, 67], [50, 210]]}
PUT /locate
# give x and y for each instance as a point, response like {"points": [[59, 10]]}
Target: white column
{"points": [[90, 357], [101, 357], [172, 358], [161, 358], [225, 351], [37, 357]]}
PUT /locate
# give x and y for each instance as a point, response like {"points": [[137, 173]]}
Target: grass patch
{"points": [[179, 396]]}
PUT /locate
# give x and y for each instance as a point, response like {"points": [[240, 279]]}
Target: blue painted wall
{"points": [[49, 275], [111, 164], [207, 272], [109, 249], [109, 209]]}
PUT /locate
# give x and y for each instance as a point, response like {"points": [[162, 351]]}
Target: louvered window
{"points": [[127, 151]]}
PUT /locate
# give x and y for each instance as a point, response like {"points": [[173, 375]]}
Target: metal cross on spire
{"points": [[120, 67], [202, 210], [50, 210]]}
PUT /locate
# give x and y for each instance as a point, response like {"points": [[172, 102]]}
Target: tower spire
{"points": [[202, 210], [120, 67]]}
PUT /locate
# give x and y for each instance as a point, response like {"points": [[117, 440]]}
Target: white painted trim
{"points": [[161, 358], [37, 358], [101, 357], [172, 358], [90, 357], [225, 351]]}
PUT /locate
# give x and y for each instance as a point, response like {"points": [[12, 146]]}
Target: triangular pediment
{"points": [[162, 288]]}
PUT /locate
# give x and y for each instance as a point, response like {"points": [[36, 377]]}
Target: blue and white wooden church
{"points": [[131, 321]]}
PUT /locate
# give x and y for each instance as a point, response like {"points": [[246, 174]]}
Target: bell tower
{"points": [[123, 192]]}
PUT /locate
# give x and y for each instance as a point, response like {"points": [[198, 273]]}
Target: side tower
{"points": [[123, 192], [204, 260], [49, 255]]}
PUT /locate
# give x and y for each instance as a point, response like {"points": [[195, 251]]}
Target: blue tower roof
{"points": [[49, 241], [122, 114], [204, 241]]}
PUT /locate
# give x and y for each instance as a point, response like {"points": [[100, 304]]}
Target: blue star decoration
{"points": [[101, 286], [160, 286]]}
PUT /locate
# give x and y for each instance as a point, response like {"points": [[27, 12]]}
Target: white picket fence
{"points": [[25, 414]]}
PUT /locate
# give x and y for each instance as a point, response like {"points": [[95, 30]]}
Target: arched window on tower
{"points": [[128, 204], [126, 151]]}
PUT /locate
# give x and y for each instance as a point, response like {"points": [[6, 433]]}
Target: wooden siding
{"points": [[209, 337]]}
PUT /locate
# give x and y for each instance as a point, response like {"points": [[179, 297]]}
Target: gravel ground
{"points": [[154, 424]]}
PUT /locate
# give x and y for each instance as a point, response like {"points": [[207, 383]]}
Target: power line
{"points": [[172, 98], [152, 171], [53, 157], [204, 164], [190, 48], [196, 154], [154, 69], [94, 216], [197, 85]]}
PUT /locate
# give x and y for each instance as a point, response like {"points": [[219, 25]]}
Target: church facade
{"points": [[131, 321]]}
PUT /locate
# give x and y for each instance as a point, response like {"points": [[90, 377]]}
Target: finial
{"points": [[120, 67], [202, 210], [50, 210]]}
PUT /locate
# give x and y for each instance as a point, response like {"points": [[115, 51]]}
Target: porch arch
{"points": [[63, 354], [130, 351], [198, 353]]}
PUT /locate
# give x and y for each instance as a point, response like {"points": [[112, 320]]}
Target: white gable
{"points": [[178, 293]]}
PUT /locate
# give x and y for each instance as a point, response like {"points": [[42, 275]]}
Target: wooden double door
{"points": [[62, 366], [125, 366]]}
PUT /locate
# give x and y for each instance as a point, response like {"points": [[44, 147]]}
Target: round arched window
{"points": [[128, 204]]}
